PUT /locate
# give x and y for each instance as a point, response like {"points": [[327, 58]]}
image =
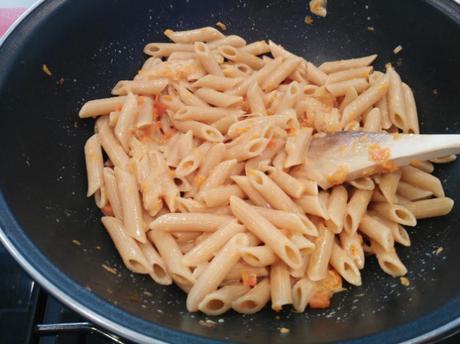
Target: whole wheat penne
{"points": [[412, 193], [411, 110], [388, 260], [389, 185], [396, 100]]}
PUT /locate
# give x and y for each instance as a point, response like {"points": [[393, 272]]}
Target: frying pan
{"points": [[89, 45]]}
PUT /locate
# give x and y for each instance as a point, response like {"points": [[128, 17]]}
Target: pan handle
{"points": [[75, 327]]}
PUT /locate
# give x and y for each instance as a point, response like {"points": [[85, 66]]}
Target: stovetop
{"points": [[29, 315]]}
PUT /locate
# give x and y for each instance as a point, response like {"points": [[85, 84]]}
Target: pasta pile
{"points": [[204, 183]]}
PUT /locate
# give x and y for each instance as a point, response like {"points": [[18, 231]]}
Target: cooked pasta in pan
{"points": [[203, 184]]}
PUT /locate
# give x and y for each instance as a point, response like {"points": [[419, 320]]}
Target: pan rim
{"points": [[9, 223]]}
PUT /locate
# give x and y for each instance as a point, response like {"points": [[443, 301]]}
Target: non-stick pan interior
{"points": [[89, 45]]}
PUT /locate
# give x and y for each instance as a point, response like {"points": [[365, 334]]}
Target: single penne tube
{"points": [[258, 256], [207, 248], [389, 260], [296, 146], [285, 181], [111, 189], [356, 208], [373, 121], [220, 301], [272, 193], [225, 123], [131, 204], [145, 115], [444, 159], [254, 300], [94, 165], [237, 55], [102, 106], [256, 48], [312, 205], [304, 245], [365, 100], [171, 254], [265, 231], [315, 75], [423, 180], [159, 272], [255, 99], [336, 207], [289, 98], [279, 74], [203, 34], [218, 83], [396, 213], [220, 195], [353, 246], [165, 49], [280, 286], [411, 192], [302, 291], [204, 114], [320, 258], [192, 161], [220, 265], [126, 120], [400, 235], [375, 229], [389, 185], [345, 266], [181, 222], [130, 253], [182, 237], [396, 100], [339, 65], [141, 87], [110, 144], [201, 130], [258, 76], [350, 96], [233, 40], [288, 220], [217, 98], [214, 156], [425, 166], [364, 183], [247, 150], [433, 207], [340, 88], [252, 193], [218, 175], [241, 269], [348, 74], [188, 97], [411, 110], [286, 121], [207, 59]]}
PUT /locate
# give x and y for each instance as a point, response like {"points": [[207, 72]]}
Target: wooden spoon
{"points": [[335, 158]]}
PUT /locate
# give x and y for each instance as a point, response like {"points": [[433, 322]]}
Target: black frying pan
{"points": [[92, 44]]}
